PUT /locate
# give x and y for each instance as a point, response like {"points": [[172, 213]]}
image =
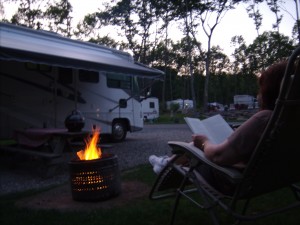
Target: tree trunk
{"points": [[207, 73]]}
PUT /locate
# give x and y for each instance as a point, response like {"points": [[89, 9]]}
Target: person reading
{"points": [[235, 151]]}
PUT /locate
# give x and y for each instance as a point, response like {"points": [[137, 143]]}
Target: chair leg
{"points": [[175, 208], [213, 216], [207, 205], [180, 192], [178, 195], [238, 221], [211, 210], [296, 190]]}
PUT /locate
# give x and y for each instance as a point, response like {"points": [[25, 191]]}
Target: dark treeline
{"points": [[204, 74]]}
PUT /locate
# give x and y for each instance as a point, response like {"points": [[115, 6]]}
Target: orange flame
{"points": [[91, 150]]}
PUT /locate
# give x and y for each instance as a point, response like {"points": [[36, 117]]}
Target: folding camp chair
{"points": [[274, 164]]}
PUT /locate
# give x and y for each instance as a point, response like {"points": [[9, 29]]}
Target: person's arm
{"points": [[221, 154], [238, 147]]}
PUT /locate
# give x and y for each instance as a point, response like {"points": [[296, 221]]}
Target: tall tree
{"points": [[181, 11], [59, 19], [272, 46], [163, 10], [1, 10], [29, 13], [275, 8], [215, 10], [255, 14], [296, 29], [189, 50], [46, 15], [135, 19]]}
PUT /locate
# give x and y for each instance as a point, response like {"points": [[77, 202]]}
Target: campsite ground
{"points": [[19, 174], [50, 198]]}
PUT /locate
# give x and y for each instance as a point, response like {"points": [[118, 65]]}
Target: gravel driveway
{"points": [[134, 151]]}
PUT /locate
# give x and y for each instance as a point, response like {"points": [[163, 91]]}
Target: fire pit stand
{"points": [[95, 180]]}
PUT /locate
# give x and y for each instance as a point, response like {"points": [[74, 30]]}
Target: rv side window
{"points": [[38, 67], [65, 76], [117, 80], [88, 76], [151, 105], [135, 87]]}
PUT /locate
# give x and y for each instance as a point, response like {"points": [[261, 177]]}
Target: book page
{"points": [[218, 128], [215, 128], [196, 126]]}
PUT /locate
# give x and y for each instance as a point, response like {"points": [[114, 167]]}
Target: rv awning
{"points": [[27, 45]]}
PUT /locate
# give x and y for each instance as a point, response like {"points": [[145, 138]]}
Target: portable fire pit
{"points": [[95, 180], [94, 176]]}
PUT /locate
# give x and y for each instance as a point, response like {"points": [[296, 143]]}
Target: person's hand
{"points": [[199, 140]]}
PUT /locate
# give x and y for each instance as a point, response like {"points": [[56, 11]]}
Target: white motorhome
{"points": [[150, 107], [44, 77]]}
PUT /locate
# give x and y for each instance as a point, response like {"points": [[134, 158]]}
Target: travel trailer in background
{"points": [[184, 104], [245, 102], [45, 76], [150, 108], [215, 106]]}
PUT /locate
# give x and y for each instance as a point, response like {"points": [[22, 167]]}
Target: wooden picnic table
{"points": [[45, 143], [56, 139]]}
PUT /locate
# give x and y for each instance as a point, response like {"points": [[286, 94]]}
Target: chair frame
{"points": [[188, 179]]}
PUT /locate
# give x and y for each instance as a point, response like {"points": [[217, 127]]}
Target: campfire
{"points": [[94, 175], [91, 151]]}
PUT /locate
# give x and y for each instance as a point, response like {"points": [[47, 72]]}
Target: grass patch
{"points": [[166, 118], [141, 211], [6, 142], [178, 118]]}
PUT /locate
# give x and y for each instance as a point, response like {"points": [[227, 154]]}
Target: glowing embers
{"points": [[95, 180], [88, 178]]}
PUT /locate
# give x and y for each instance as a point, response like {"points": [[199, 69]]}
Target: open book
{"points": [[215, 128]]}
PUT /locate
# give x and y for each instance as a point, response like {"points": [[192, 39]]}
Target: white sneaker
{"points": [[157, 169], [158, 160], [158, 163], [153, 159]]}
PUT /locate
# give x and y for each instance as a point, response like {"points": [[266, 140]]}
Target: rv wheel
{"points": [[118, 131]]}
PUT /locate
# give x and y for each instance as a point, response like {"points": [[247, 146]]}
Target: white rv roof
{"points": [[24, 44]]}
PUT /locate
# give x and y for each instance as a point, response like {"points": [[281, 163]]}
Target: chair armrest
{"points": [[195, 153]]}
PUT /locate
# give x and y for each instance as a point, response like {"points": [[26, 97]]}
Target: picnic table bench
{"points": [[47, 144]]}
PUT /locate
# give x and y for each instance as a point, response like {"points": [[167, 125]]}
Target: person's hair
{"points": [[269, 84]]}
